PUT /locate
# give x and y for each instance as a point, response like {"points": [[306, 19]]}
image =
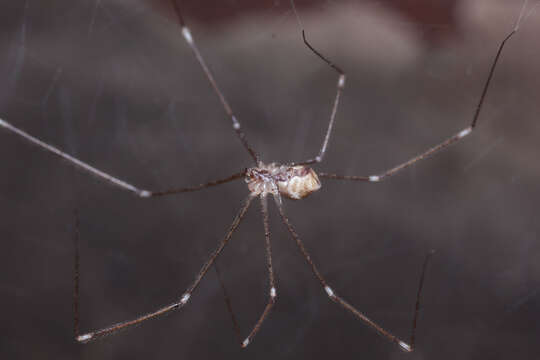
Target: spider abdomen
{"points": [[303, 182], [294, 182]]}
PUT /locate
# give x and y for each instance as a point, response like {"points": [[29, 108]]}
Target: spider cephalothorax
{"points": [[295, 182]]}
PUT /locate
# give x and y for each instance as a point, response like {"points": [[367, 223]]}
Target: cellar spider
{"points": [[295, 181]]}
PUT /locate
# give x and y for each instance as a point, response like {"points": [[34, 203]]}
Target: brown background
{"points": [[113, 83]]}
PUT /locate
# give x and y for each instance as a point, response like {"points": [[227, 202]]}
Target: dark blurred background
{"points": [[113, 82]]}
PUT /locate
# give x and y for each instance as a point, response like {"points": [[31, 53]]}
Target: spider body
{"points": [[294, 182]]}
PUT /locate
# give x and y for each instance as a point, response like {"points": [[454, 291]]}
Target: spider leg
{"points": [[76, 276], [339, 88], [107, 177], [228, 303], [186, 33], [235, 176], [453, 139], [407, 347], [272, 283], [179, 303]]}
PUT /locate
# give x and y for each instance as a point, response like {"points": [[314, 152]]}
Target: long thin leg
{"points": [[334, 297], [236, 176], [235, 123], [107, 177], [460, 135], [96, 334], [272, 292], [228, 303], [76, 275], [339, 88]]}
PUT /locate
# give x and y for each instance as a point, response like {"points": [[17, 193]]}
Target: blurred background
{"points": [[113, 83]]}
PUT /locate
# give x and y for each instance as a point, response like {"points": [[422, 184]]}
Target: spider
{"points": [[294, 181]]}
